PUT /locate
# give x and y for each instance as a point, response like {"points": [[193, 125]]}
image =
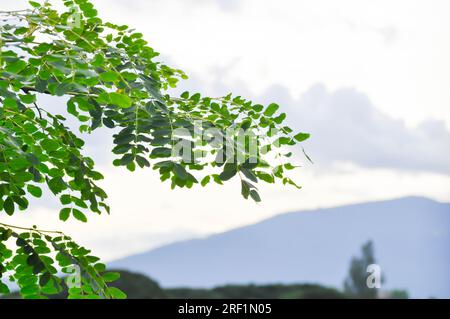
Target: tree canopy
{"points": [[356, 283], [111, 79]]}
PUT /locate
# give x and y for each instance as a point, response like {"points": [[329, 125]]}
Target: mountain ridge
{"points": [[315, 246]]}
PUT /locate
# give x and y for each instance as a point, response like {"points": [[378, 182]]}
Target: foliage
{"points": [[111, 79], [139, 286], [35, 271], [356, 283], [273, 291], [398, 294]]}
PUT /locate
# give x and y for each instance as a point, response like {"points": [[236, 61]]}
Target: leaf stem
{"points": [[33, 229]]}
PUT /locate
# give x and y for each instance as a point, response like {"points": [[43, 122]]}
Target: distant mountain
{"points": [[411, 237]]}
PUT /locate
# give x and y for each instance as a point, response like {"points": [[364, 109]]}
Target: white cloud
{"points": [[396, 52], [346, 126]]}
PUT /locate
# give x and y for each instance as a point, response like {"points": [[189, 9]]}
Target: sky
{"points": [[369, 80]]}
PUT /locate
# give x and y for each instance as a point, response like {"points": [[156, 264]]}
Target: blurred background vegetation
{"points": [[139, 286]]}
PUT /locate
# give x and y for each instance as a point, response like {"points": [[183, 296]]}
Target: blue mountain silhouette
{"points": [[411, 237]]}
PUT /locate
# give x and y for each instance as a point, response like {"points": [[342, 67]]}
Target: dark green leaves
{"points": [[250, 163], [57, 185], [161, 152], [126, 159], [37, 273], [249, 174], [245, 189], [34, 190], [142, 162], [255, 196], [8, 206], [180, 172], [64, 214], [229, 170], [79, 215]]}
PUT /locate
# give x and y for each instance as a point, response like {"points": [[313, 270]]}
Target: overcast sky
{"points": [[368, 79]]}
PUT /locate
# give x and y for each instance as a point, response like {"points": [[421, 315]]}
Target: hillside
{"points": [[411, 237], [138, 286]]}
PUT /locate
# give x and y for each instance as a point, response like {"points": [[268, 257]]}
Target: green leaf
{"points": [[205, 180], [44, 279], [109, 76], [255, 196], [50, 145], [4, 290], [300, 137], [271, 109], [289, 166], [10, 103], [250, 163], [249, 174], [34, 190], [103, 98], [185, 95], [126, 159], [98, 60], [268, 178], [283, 141], [64, 214], [245, 189], [28, 98], [30, 290], [124, 139], [63, 88], [65, 199], [279, 119], [229, 170], [34, 4], [56, 185], [180, 171], [16, 67], [110, 276], [117, 293], [79, 215], [287, 180], [121, 100], [258, 107], [8, 206], [142, 162], [21, 201]]}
